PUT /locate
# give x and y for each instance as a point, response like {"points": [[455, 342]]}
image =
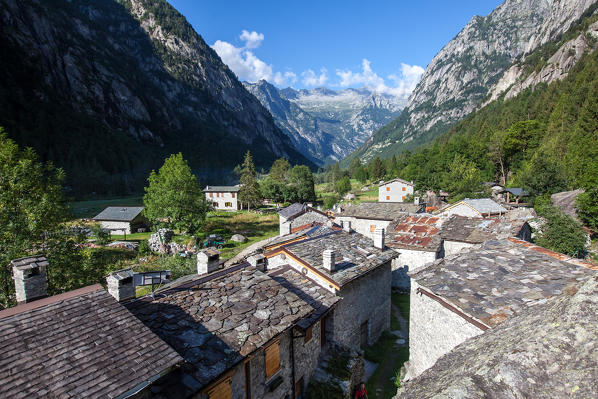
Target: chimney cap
{"points": [[29, 262], [121, 274]]}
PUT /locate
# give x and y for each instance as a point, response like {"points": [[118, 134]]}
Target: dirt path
{"points": [[387, 368]]}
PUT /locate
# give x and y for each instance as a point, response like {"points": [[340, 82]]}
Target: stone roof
{"points": [[379, 210], [119, 213], [216, 322], [549, 351], [292, 210], [78, 344], [30, 262], [397, 179], [222, 189], [311, 292], [307, 231], [418, 232], [355, 255], [500, 278], [484, 206], [517, 191], [478, 230]]}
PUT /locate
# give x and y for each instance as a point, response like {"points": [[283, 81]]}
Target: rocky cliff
{"points": [[464, 72], [107, 88], [327, 124]]}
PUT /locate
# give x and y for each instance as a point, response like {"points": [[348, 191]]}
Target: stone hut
{"points": [[459, 232], [299, 216], [241, 332], [348, 265], [121, 219], [79, 344], [366, 217], [416, 238], [475, 208], [548, 351], [464, 295]]}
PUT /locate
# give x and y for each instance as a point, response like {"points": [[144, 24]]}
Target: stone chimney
{"points": [[208, 261], [328, 260], [416, 200], [29, 275], [379, 238], [346, 225], [285, 228], [258, 261], [121, 285]]}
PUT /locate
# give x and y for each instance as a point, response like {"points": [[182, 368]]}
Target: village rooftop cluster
{"points": [[261, 327]]}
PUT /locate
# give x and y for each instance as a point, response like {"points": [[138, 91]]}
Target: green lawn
{"points": [[324, 190], [88, 209]]}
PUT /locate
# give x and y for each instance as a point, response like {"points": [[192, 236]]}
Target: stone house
{"points": [[395, 190], [121, 219], [464, 295], [352, 267], [545, 352], [475, 208], [417, 240], [459, 232], [224, 198], [81, 343], [297, 216], [242, 332], [366, 217]]}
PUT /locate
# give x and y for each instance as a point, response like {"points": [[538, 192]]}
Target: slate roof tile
{"points": [[478, 230], [416, 232], [119, 213], [379, 210]]}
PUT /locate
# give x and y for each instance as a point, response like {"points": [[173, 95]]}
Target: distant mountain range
{"points": [[477, 65], [106, 89], [327, 125]]}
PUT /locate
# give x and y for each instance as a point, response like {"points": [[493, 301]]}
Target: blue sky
{"points": [[383, 44]]}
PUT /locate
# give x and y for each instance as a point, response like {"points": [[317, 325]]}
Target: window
{"points": [[388, 197], [247, 380], [299, 388], [387, 188], [221, 390], [228, 204], [403, 198], [372, 228], [323, 332], [233, 194], [272, 354], [404, 188], [308, 334], [211, 195]]}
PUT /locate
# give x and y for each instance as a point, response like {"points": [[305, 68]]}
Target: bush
{"points": [[561, 233], [102, 236], [144, 248], [330, 201]]}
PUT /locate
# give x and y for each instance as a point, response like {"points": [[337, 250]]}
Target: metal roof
{"points": [[119, 213]]}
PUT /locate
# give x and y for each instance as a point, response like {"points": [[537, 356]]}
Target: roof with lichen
{"points": [[379, 210], [415, 232], [548, 351], [478, 230], [215, 323], [501, 278], [355, 254]]}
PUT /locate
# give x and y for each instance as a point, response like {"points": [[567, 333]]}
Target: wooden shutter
{"points": [[372, 228], [388, 197], [308, 334], [404, 188], [387, 188], [272, 359], [222, 390]]}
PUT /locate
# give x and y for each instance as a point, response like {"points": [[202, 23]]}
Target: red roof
{"points": [[414, 232]]}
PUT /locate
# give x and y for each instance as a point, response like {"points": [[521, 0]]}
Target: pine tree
{"points": [[250, 189]]}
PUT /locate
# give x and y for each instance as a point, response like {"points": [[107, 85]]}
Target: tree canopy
{"points": [[174, 197], [249, 193]]}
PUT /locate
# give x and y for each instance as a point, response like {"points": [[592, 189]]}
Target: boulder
{"points": [[158, 242], [238, 238], [349, 197]]}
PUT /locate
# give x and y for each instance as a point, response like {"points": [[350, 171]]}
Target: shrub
{"points": [[102, 236], [144, 248]]}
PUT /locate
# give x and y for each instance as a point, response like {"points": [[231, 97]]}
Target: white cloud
{"points": [[252, 39], [246, 65], [404, 83], [310, 78]]}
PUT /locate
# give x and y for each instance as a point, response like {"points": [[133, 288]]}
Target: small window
{"points": [[211, 195], [372, 228], [404, 188], [403, 198], [308, 334], [387, 188], [228, 204], [388, 197], [233, 194], [272, 354], [222, 390]]}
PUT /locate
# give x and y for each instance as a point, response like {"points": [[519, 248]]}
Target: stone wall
{"points": [[433, 331], [308, 218], [220, 202], [122, 226], [409, 261], [307, 354], [363, 226], [454, 247], [365, 299], [462, 210]]}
